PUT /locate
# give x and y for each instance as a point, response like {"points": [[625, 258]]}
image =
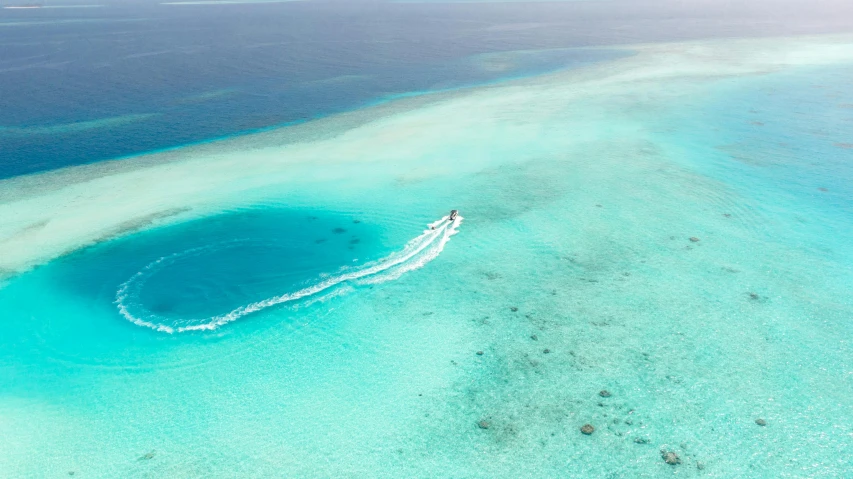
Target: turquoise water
{"points": [[681, 243]]}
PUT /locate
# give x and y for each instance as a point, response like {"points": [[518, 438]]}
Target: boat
{"points": [[453, 214]]}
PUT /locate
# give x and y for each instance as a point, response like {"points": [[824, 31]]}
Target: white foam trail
{"points": [[417, 252], [325, 297], [418, 262]]}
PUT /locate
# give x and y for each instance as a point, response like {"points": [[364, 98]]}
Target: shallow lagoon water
{"points": [[573, 272]]}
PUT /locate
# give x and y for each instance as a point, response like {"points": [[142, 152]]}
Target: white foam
{"points": [[417, 253], [417, 262]]}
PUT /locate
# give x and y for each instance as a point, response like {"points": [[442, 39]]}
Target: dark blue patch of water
{"points": [[211, 266]]}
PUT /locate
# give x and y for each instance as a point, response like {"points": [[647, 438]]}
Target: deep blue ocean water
{"points": [[80, 85]]}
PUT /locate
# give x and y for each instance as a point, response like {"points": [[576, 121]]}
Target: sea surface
{"points": [[653, 239], [115, 79]]}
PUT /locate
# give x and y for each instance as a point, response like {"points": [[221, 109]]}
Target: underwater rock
{"points": [[513, 309], [483, 424], [670, 457], [754, 296], [641, 440], [694, 239], [546, 351], [147, 456], [587, 429], [761, 422], [356, 221], [339, 230], [604, 393], [700, 465], [534, 337], [70, 473], [479, 353]]}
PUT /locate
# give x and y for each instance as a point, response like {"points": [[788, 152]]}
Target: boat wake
{"points": [[417, 252]]}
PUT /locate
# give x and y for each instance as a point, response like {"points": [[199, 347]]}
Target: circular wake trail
{"points": [[417, 253]]}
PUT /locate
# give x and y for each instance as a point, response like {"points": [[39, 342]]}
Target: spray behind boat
{"points": [[451, 218]]}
